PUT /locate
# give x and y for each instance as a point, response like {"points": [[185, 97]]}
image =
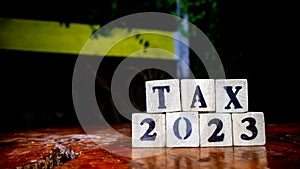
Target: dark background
{"points": [[256, 40]]}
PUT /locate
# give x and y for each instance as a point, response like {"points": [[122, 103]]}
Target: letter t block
{"points": [[162, 96]]}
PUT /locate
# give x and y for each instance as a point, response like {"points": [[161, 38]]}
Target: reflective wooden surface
{"points": [[106, 149]]}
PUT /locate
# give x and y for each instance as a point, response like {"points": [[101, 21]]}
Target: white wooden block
{"points": [[248, 129], [231, 95], [182, 129], [162, 96], [148, 130], [197, 94], [215, 130]]}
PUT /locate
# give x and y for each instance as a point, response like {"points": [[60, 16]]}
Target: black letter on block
{"points": [[214, 137], [147, 135], [250, 127], [200, 98], [188, 128], [161, 95], [232, 97]]}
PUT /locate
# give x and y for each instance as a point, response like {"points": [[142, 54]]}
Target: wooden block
{"points": [[231, 95], [248, 129], [215, 130], [182, 129], [162, 96], [197, 94], [148, 130]]}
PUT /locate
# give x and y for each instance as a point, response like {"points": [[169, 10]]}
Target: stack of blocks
{"points": [[197, 112]]}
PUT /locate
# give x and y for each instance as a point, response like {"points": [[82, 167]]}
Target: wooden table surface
{"points": [[71, 147]]}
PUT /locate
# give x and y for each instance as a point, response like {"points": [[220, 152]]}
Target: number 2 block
{"points": [[148, 130], [215, 130], [182, 129], [248, 129]]}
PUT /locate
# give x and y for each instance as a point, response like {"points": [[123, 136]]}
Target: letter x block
{"points": [[231, 95], [248, 129], [162, 96], [182, 129], [148, 130], [198, 95], [215, 129]]}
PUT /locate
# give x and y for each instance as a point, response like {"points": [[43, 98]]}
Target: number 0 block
{"points": [[248, 129], [162, 96], [215, 130], [198, 95], [231, 95], [148, 130], [182, 129]]}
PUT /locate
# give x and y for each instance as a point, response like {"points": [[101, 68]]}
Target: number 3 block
{"points": [[215, 130], [148, 130], [248, 129]]}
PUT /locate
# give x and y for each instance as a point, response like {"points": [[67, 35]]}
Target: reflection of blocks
{"points": [[248, 129], [198, 94], [231, 95], [182, 129], [254, 155], [215, 130], [216, 157], [162, 96], [143, 153], [182, 158], [148, 130]]}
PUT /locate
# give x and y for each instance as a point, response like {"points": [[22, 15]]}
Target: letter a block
{"points": [[198, 95], [231, 95], [248, 129], [182, 129], [215, 130], [162, 96], [148, 130]]}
